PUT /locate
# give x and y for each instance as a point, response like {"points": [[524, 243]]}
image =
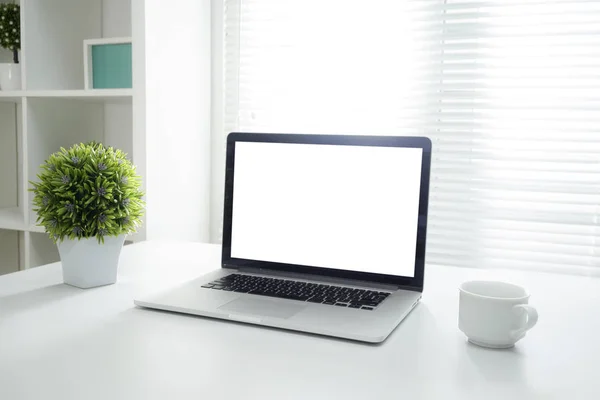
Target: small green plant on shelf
{"points": [[10, 29], [88, 191]]}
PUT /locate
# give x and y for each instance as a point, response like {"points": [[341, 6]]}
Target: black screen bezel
{"points": [[414, 283]]}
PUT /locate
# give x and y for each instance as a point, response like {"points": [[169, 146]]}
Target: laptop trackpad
{"points": [[262, 307]]}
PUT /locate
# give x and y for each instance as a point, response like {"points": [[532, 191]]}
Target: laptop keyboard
{"points": [[302, 291]]}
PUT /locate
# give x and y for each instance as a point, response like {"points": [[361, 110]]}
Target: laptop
{"points": [[322, 234]]}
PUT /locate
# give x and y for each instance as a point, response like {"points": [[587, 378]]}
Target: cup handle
{"points": [[532, 318]]}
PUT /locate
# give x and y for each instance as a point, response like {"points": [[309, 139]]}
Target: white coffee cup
{"points": [[495, 314]]}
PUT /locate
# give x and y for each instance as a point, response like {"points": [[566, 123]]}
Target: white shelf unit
{"points": [[54, 110]]}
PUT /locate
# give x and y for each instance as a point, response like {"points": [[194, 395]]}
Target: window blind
{"points": [[507, 90]]}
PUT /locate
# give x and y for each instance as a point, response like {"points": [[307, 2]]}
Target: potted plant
{"points": [[88, 198], [10, 38]]}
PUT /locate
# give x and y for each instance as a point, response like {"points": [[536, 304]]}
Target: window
{"points": [[507, 90]]}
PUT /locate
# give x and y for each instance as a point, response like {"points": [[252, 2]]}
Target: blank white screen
{"points": [[345, 207]]}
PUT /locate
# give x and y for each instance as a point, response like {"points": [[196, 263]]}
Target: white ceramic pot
{"points": [[10, 77], [87, 263]]}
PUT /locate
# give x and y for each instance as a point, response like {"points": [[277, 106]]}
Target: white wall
{"points": [[116, 18], [138, 59], [118, 126], [6, 56], [217, 185], [177, 108], [9, 241], [54, 41], [42, 250], [8, 155]]}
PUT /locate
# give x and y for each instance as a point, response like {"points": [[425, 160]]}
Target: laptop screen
{"points": [[343, 207]]}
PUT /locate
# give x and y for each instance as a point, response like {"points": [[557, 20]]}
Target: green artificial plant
{"points": [[10, 29], [88, 191]]}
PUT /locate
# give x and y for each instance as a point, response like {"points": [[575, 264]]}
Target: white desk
{"points": [[58, 342]]}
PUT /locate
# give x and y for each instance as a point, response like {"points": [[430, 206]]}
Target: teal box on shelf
{"points": [[108, 64]]}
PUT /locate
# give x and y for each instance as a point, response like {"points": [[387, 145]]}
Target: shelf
{"points": [[36, 229], [12, 219], [98, 95], [11, 96]]}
